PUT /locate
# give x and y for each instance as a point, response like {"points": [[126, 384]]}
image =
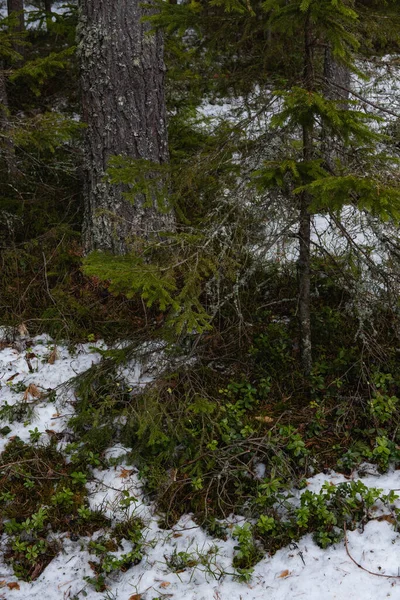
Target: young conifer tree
{"points": [[314, 109]]}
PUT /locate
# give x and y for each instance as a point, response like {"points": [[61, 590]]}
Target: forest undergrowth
{"points": [[229, 425]]}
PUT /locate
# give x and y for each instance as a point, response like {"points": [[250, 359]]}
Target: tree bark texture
{"points": [[122, 81], [337, 78]]}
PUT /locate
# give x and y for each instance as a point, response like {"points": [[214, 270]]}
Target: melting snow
{"points": [[299, 571]]}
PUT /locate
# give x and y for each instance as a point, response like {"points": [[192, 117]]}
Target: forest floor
{"points": [[182, 563]]}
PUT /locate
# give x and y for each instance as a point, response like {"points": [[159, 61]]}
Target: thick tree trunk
{"points": [[304, 263], [122, 80]]}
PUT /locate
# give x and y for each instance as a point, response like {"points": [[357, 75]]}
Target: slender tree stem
{"points": [[303, 264], [7, 145], [17, 7], [47, 8]]}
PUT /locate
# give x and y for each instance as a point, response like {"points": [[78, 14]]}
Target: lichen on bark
{"points": [[122, 83]]}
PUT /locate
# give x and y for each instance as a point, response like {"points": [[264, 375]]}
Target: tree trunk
{"points": [[122, 81], [17, 6], [303, 264], [7, 145], [304, 274], [337, 78], [337, 87], [47, 8]]}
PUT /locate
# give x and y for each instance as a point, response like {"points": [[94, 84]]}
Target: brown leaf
{"points": [[389, 518], [51, 433], [36, 571], [33, 391], [264, 419], [3, 583], [284, 574], [13, 585], [135, 597], [12, 377], [93, 565], [164, 584], [53, 356], [124, 473]]}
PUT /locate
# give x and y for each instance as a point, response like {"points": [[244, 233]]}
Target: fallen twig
{"points": [[358, 564]]}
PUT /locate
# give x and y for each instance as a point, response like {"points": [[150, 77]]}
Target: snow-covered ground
{"points": [[299, 571]]}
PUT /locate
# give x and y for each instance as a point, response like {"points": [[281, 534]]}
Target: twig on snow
{"points": [[358, 564]]}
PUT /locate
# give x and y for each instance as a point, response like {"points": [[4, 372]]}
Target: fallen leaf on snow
{"points": [[135, 597], [12, 377], [13, 585], [164, 584], [124, 473], [284, 574], [33, 391], [52, 356]]}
